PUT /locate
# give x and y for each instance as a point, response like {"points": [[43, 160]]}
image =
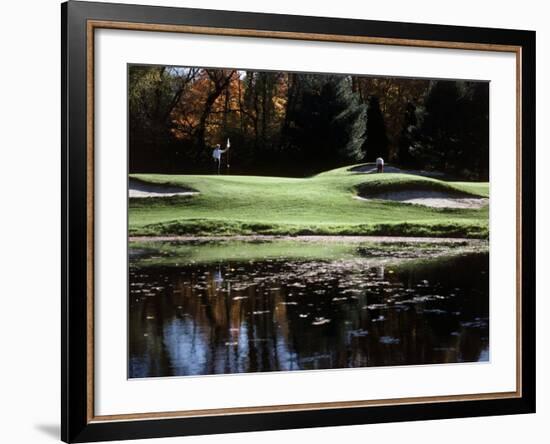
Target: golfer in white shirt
{"points": [[217, 155]]}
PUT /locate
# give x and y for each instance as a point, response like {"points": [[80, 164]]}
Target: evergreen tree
{"points": [[327, 122], [476, 122], [376, 142], [453, 129], [408, 136], [348, 125], [438, 146]]}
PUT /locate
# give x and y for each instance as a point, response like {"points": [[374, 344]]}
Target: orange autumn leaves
{"points": [[219, 99]]}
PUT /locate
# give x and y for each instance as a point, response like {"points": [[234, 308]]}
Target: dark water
{"points": [[299, 315]]}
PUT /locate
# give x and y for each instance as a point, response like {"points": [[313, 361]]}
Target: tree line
{"points": [[299, 124]]}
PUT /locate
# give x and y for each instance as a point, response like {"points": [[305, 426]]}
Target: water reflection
{"points": [[258, 316]]}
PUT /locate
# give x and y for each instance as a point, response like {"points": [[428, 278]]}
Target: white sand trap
{"points": [[139, 189], [435, 199]]}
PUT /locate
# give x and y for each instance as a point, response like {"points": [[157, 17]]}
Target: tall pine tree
{"points": [[453, 129], [407, 136], [327, 122], [376, 141], [348, 124]]}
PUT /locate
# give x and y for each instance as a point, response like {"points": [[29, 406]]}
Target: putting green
{"points": [[322, 204]]}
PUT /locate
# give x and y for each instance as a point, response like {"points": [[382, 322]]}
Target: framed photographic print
{"points": [[276, 221]]}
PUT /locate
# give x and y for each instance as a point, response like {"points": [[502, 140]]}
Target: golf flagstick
{"points": [[227, 146]]}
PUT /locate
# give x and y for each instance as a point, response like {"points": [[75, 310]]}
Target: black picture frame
{"points": [[76, 424]]}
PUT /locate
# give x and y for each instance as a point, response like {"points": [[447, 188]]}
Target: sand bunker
{"points": [[435, 199], [139, 189]]}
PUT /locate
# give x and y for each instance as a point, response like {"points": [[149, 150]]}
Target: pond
{"points": [[190, 316]]}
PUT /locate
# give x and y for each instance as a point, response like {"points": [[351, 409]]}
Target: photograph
{"points": [[286, 221]]}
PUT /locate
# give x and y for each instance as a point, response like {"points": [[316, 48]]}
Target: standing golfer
{"points": [[379, 165], [217, 155]]}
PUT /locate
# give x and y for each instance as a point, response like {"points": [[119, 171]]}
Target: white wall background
{"points": [[30, 218]]}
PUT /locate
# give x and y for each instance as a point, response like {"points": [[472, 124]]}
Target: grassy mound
{"points": [[321, 204]]}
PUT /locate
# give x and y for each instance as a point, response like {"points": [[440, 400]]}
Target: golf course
{"points": [[282, 221], [346, 268], [336, 202]]}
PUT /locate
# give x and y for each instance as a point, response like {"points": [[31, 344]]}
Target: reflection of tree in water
{"points": [[240, 317]]}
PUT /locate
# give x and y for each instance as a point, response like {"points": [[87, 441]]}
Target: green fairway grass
{"points": [[322, 204]]}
